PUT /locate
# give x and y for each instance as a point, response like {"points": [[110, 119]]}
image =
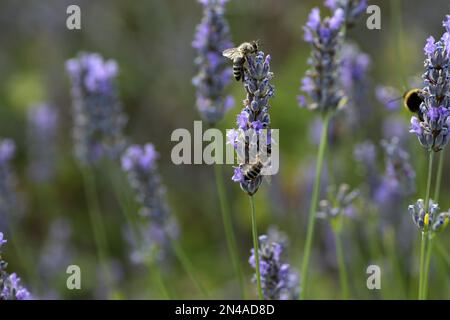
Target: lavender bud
{"points": [[339, 202], [211, 38], [98, 117], [10, 287], [433, 130], [353, 9], [278, 281], [139, 163], [321, 80], [42, 132], [423, 219], [252, 140]]}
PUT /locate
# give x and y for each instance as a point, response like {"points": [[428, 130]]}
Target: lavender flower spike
{"points": [[98, 117], [42, 134], [322, 78], [10, 206], [278, 281], [432, 129], [353, 9], [139, 163], [10, 287], [211, 38], [339, 202], [432, 221], [252, 140]]}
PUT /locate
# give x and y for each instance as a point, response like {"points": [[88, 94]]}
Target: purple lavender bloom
{"points": [[10, 206], [351, 9], [321, 80], [339, 202], [389, 97], [278, 281], [10, 287], [158, 226], [98, 116], [354, 79], [423, 219], [211, 38], [254, 120], [399, 177], [432, 130], [42, 133]]}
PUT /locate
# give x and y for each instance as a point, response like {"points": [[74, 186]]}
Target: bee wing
{"points": [[231, 53]]}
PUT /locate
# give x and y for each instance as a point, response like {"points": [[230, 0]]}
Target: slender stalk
{"points": [[228, 227], [422, 258], [430, 172], [427, 267], [187, 266], [96, 219], [437, 188], [342, 269], [313, 206], [256, 249], [160, 280], [443, 252]]}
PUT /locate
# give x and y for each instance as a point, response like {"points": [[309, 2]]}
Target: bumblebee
{"points": [[239, 57], [412, 99]]}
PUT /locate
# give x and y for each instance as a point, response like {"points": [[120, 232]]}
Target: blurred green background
{"points": [[151, 41]]}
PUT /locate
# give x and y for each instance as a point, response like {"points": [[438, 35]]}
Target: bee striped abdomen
{"points": [[253, 171], [238, 68]]}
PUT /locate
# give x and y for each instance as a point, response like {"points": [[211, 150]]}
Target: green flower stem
{"points": [[342, 269], [430, 172], [187, 266], [437, 188], [96, 220], [228, 227], [422, 258], [256, 249], [427, 266], [313, 207]]}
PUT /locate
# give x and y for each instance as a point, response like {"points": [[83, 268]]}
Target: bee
{"points": [[239, 56], [412, 99], [252, 171]]}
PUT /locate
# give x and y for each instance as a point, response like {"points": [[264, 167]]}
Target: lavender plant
{"points": [[321, 85], [139, 163], [42, 131], [338, 205], [152, 238], [431, 127], [8, 195], [252, 140], [10, 287], [211, 38], [98, 117], [353, 9], [278, 280]]}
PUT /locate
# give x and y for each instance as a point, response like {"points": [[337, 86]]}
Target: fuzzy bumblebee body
{"points": [[412, 99], [239, 57]]}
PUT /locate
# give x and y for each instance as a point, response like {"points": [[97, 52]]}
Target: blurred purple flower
{"points": [[10, 287], [97, 113], [389, 97], [211, 38], [42, 133], [278, 281], [158, 225], [352, 9], [321, 80], [340, 201]]}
